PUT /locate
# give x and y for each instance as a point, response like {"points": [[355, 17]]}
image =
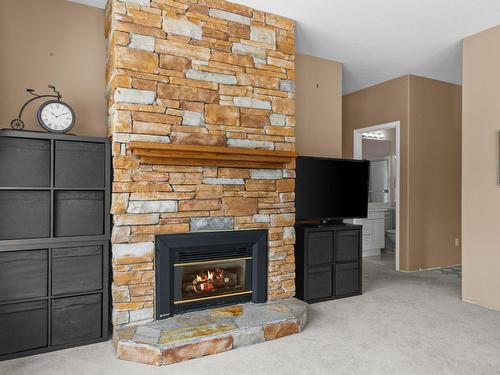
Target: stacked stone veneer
{"points": [[199, 72]]}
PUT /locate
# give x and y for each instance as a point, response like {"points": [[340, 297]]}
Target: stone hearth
{"points": [[197, 334]]}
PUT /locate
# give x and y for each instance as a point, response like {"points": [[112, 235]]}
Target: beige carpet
{"points": [[403, 324]]}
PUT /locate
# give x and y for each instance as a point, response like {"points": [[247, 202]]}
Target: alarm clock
{"points": [[56, 116]]}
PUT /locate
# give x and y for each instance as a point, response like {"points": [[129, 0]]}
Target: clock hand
{"points": [[65, 113]]}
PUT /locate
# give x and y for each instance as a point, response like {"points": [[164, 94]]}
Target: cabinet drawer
{"points": [[23, 326], [79, 213], [24, 214], [76, 269], [76, 319], [79, 164], [346, 245], [23, 274], [24, 162], [320, 249], [347, 278], [319, 282]]}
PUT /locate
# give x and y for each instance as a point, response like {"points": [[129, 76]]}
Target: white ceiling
{"points": [[382, 39]]}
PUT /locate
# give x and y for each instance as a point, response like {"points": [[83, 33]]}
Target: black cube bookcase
{"points": [[54, 241], [328, 261]]}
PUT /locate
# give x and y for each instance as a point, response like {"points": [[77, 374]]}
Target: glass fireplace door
{"points": [[204, 280]]}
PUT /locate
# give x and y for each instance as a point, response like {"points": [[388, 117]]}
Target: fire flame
{"points": [[204, 281]]}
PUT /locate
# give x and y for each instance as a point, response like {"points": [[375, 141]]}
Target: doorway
{"points": [[381, 145]]}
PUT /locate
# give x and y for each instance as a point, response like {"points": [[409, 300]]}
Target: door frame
{"points": [[358, 154]]}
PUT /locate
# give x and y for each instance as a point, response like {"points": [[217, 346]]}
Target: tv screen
{"points": [[331, 188]]}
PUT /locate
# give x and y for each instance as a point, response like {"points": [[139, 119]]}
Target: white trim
{"points": [[495, 308], [371, 252], [358, 154]]}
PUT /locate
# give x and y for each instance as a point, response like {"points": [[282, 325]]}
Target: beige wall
{"points": [[429, 112], [53, 42], [435, 173], [380, 104], [480, 192], [319, 106]]}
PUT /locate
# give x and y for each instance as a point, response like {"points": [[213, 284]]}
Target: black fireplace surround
{"points": [[202, 270]]}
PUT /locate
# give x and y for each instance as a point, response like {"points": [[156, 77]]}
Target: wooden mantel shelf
{"points": [[209, 156]]}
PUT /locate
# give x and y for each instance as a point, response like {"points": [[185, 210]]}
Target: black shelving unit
{"points": [[328, 261], [54, 241]]}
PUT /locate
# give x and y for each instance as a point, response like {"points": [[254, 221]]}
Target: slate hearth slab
{"points": [[201, 333]]}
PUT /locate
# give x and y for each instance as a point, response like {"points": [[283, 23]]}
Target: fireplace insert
{"points": [[202, 270]]}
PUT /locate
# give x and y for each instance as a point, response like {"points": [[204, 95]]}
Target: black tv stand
{"points": [[328, 261]]}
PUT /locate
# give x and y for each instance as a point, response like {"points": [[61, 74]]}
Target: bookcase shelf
{"points": [[54, 241], [53, 187]]}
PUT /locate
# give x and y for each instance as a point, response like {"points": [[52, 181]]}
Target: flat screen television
{"points": [[331, 189]]}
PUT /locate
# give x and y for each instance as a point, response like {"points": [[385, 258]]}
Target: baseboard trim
{"points": [[430, 269], [371, 252], [480, 304]]}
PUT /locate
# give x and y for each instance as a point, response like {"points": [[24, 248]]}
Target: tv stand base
{"points": [[323, 223], [330, 222]]}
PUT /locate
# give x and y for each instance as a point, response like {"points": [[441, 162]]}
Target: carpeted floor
{"points": [[403, 324]]}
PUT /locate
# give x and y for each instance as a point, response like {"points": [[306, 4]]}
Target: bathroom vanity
{"points": [[380, 219]]}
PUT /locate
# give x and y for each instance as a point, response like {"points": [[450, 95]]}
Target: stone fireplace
{"points": [[201, 117]]}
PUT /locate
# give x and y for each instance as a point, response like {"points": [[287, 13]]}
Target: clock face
{"points": [[56, 116]]}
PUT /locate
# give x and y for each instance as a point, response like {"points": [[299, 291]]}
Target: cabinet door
{"points": [[368, 235], [79, 213], [24, 214], [367, 227], [79, 164], [320, 248], [76, 319], [23, 274], [319, 282], [367, 242], [23, 326], [76, 269], [379, 233], [347, 279], [24, 162], [346, 245]]}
